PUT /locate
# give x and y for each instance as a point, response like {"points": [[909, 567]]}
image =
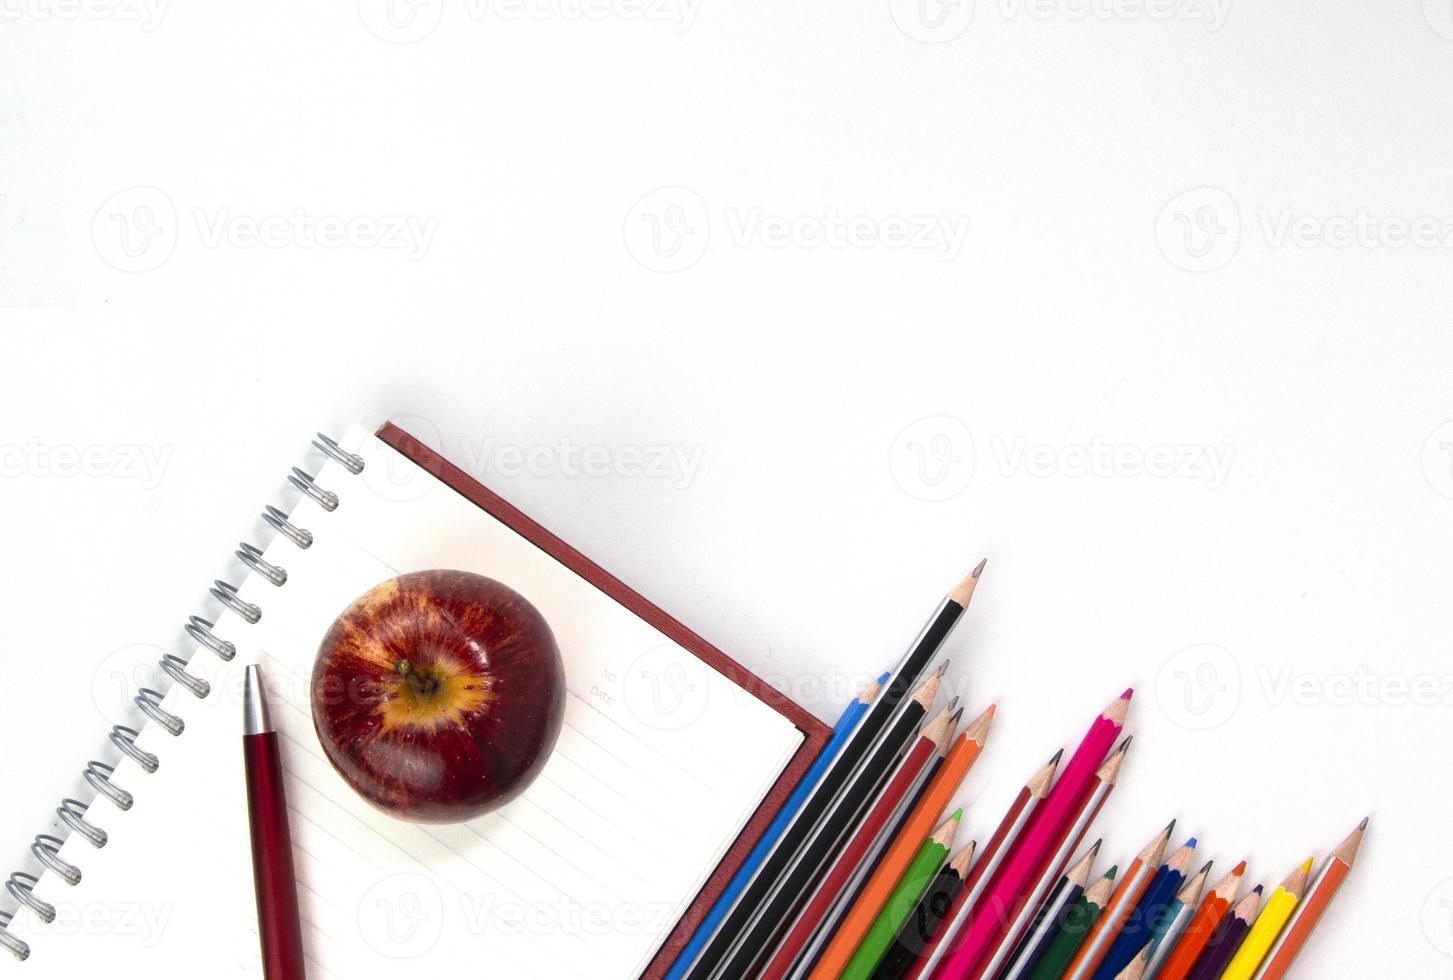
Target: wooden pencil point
{"points": [[978, 730], [928, 690], [1296, 882], [946, 830], [1117, 710], [1109, 770], [963, 859], [1099, 893], [1190, 892], [1239, 870], [1346, 852], [1038, 784], [869, 691], [1181, 859], [964, 591], [1246, 908], [1080, 873], [937, 730]]}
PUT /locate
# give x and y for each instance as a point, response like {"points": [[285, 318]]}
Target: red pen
{"points": [[278, 924]]}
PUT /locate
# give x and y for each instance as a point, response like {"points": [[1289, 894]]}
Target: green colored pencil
{"points": [[901, 901], [1078, 922]]}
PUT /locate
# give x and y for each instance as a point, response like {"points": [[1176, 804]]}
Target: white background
{"points": [[1185, 374]]}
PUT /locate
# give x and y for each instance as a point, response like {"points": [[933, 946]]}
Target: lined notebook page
{"points": [[660, 763]]}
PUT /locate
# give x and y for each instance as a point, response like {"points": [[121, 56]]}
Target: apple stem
{"points": [[423, 686]]}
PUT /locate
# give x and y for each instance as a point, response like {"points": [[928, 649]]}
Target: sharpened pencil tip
{"points": [[1240, 869], [1126, 744], [953, 702], [883, 677], [1114, 868], [1129, 693], [1306, 866], [1095, 847], [1363, 824], [1257, 889], [1170, 827], [1191, 842], [979, 568], [1205, 868], [942, 669], [1054, 759], [959, 813]]}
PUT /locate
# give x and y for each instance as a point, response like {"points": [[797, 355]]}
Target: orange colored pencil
{"points": [[1329, 879], [1198, 933], [1127, 894], [895, 861]]}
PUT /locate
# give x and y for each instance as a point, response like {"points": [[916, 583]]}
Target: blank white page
{"points": [[660, 763]]}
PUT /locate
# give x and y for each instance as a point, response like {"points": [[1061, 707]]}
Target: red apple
{"points": [[438, 695]]}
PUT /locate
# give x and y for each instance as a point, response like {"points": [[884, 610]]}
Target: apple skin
{"points": [[439, 695]]}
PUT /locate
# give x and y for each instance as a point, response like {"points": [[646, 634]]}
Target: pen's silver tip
{"points": [[256, 719]]}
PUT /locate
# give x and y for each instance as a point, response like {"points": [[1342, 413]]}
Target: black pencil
{"points": [[839, 820], [925, 918], [874, 724]]}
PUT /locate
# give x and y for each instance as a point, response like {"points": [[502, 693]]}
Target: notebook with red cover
{"points": [[815, 732]]}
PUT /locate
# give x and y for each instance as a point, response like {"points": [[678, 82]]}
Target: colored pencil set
{"points": [[862, 875]]}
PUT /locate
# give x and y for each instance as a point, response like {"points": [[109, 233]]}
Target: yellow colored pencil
{"points": [[1274, 915]]}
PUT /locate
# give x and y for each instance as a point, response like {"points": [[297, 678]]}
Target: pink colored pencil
{"points": [[1000, 904]]}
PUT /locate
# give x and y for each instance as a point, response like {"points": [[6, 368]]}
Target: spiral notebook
{"points": [[671, 762]]}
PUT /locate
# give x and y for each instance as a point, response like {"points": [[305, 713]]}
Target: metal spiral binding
{"points": [[21, 886], [200, 630], [98, 774], [73, 812], [47, 850], [125, 739], [20, 950], [280, 523], [176, 669], [327, 499], [149, 701], [46, 847]]}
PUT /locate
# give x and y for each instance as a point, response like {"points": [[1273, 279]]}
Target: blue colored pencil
{"points": [[840, 733], [1147, 916]]}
